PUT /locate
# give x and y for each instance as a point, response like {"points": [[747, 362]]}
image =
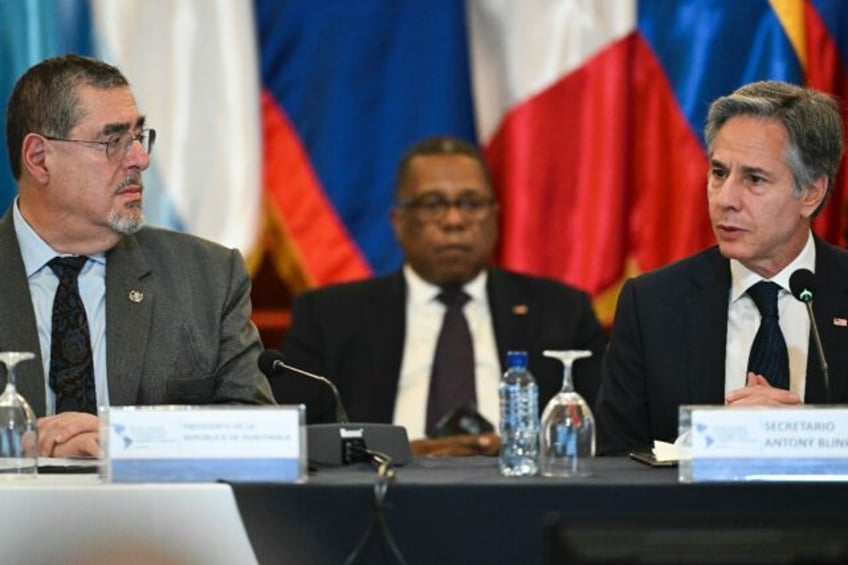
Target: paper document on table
{"points": [[69, 461], [68, 465], [664, 451]]}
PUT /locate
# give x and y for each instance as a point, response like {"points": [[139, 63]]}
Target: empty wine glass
{"points": [[19, 433], [567, 437]]}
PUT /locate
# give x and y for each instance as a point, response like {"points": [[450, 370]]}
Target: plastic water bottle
{"points": [[519, 427]]}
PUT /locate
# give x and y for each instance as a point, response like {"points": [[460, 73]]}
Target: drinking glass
{"points": [[19, 434], [567, 437]]}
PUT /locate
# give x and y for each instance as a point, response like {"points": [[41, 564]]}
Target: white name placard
{"points": [[764, 443], [203, 443]]}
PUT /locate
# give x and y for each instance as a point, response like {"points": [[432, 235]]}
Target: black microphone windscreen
{"points": [[802, 284], [266, 361]]}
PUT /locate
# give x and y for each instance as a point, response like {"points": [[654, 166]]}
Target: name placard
{"points": [[203, 443], [763, 443]]}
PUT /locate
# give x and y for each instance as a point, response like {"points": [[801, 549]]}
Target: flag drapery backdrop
{"points": [[281, 122]]}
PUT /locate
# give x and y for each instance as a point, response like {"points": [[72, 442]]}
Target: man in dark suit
{"points": [[375, 339], [691, 333], [166, 316]]}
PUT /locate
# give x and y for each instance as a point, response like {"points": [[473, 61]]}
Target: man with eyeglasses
{"points": [[116, 313], [378, 340]]}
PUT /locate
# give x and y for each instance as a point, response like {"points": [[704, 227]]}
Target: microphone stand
{"points": [[820, 349], [343, 441], [802, 285], [341, 413]]}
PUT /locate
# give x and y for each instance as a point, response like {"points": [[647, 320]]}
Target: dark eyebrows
{"points": [[755, 171], [747, 170], [110, 129], [716, 163], [437, 193]]}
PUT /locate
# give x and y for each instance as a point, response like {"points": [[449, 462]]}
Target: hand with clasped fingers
{"points": [[758, 392], [69, 434]]}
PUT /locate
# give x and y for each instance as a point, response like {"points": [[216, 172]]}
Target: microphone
{"points": [[272, 362], [802, 284], [343, 442]]}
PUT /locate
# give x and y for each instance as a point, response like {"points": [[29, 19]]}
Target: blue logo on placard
{"points": [[121, 432], [702, 431]]}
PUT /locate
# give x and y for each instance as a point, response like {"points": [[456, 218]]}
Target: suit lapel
{"points": [[829, 307], [706, 326], [384, 321], [19, 331], [512, 316], [129, 311]]}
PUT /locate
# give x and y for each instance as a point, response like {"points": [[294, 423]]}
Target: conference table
{"points": [[441, 510], [460, 510]]}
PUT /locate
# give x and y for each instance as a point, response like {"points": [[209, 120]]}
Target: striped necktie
{"points": [[768, 352]]}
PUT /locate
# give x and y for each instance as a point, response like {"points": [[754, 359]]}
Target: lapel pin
{"points": [[520, 309], [136, 296], [841, 322]]}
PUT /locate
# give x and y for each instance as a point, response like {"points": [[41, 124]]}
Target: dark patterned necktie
{"points": [[71, 364], [452, 377], [768, 352]]}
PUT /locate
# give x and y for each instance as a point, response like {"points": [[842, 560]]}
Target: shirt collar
{"points": [[36, 252], [743, 278], [423, 292]]}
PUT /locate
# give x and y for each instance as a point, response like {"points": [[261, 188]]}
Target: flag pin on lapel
{"points": [[136, 296], [841, 322], [520, 309]]}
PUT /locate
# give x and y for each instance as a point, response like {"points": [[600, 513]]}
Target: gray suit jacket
{"points": [[669, 339], [188, 341]]}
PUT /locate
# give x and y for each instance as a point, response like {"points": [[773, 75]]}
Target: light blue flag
{"points": [[32, 30]]}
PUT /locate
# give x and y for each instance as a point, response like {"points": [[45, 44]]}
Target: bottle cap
{"points": [[516, 358]]}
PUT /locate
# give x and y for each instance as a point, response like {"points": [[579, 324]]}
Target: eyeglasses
{"points": [[117, 146], [433, 207]]}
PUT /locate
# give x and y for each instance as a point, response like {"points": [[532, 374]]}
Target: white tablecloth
{"points": [[67, 518]]}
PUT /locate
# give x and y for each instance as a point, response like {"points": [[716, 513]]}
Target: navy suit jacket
{"points": [[354, 334], [668, 345]]}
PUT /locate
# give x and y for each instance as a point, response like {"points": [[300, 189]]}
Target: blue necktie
{"points": [[452, 377], [71, 364], [769, 357]]}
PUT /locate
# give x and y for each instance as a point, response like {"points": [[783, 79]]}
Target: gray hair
{"points": [[811, 118], [44, 99]]}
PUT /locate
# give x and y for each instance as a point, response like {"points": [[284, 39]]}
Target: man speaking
{"points": [[722, 327]]}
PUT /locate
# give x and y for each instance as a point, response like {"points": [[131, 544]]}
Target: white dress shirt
{"points": [[743, 320], [43, 282], [424, 314]]}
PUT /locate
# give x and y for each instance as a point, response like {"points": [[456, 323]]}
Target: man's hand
{"points": [[457, 446], [758, 392], [69, 434]]}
